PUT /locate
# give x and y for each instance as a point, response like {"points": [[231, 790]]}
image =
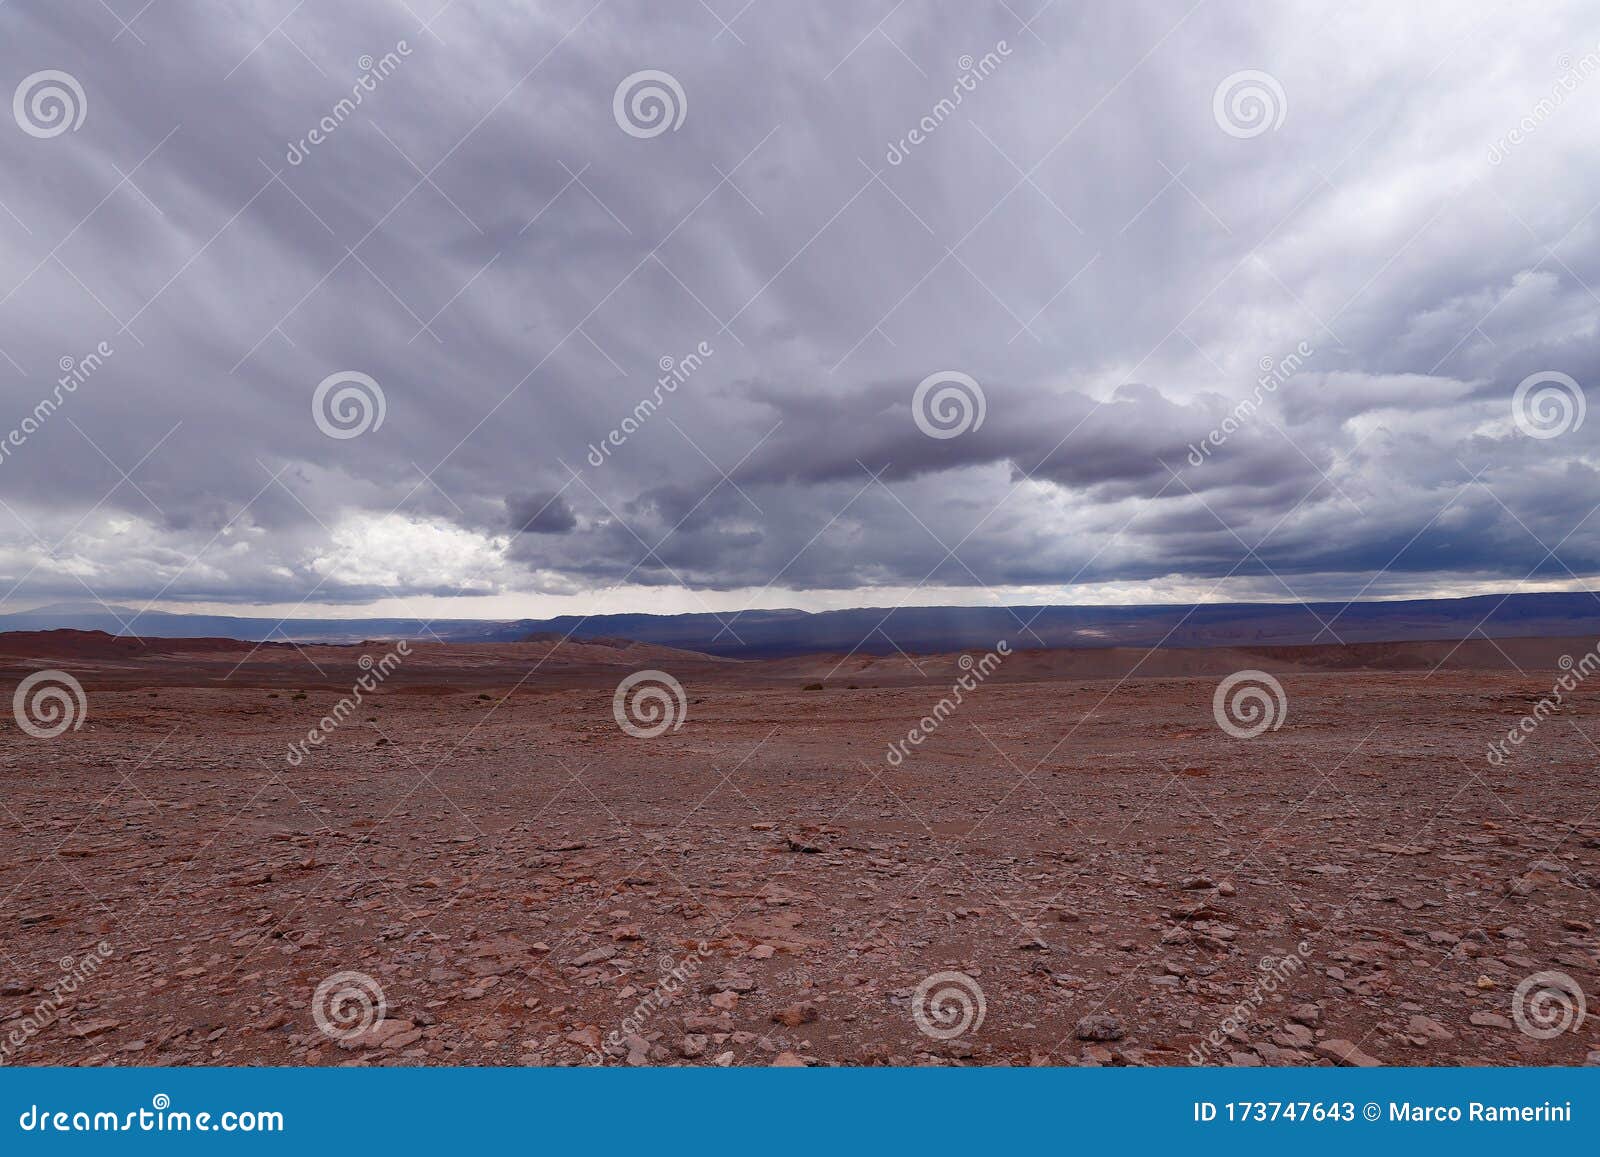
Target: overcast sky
{"points": [[1110, 218]]}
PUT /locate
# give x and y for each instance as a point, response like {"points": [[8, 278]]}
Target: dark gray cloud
{"points": [[544, 513], [610, 361]]}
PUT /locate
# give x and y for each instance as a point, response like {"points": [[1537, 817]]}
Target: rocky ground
{"points": [[480, 866]]}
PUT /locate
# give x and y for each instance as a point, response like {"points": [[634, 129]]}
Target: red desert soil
{"points": [[525, 883]]}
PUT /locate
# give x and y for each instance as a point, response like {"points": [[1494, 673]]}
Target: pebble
{"points": [[1100, 1026], [1307, 1014], [796, 1015]]}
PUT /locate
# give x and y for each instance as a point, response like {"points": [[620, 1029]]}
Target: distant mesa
{"points": [[612, 641]]}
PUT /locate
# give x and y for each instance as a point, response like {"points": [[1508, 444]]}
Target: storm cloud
{"points": [[678, 304]]}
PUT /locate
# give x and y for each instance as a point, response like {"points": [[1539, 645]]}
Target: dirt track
{"points": [[518, 876]]}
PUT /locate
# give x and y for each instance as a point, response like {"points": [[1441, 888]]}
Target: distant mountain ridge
{"points": [[916, 630]]}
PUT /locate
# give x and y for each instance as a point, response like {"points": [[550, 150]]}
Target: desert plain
{"points": [[478, 865]]}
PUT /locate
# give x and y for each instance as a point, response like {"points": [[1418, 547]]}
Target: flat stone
{"points": [[1343, 1052], [378, 1034], [1428, 1027], [588, 1036], [91, 1028]]}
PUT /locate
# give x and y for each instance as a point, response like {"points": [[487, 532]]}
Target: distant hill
{"points": [[120, 620], [925, 630], [916, 630], [103, 661]]}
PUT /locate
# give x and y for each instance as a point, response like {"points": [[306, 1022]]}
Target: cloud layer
{"points": [[1256, 336]]}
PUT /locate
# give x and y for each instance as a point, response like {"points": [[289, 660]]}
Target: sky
{"points": [[504, 309]]}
